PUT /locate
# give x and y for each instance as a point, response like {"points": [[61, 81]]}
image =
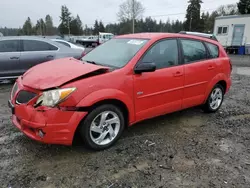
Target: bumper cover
{"points": [[58, 126]]}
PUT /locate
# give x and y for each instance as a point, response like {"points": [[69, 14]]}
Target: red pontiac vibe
{"points": [[125, 80]]}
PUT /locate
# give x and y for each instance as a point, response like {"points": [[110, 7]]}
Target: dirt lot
{"points": [[184, 149]]}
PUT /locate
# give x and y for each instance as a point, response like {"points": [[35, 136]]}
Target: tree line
{"points": [[131, 20]]}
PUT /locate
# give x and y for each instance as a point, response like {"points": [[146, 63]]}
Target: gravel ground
{"points": [[183, 149]]}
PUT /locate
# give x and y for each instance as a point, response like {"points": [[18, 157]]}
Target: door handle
{"points": [[50, 56], [14, 57], [177, 74], [211, 67]]}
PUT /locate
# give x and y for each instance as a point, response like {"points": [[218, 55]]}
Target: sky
{"points": [[13, 13]]}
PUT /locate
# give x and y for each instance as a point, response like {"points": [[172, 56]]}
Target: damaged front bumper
{"points": [[44, 124]]}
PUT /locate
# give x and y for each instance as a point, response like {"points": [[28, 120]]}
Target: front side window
{"points": [[9, 46], [35, 45], [116, 52], [164, 54], [214, 50], [193, 50]]}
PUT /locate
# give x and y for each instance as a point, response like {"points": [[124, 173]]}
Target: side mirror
{"points": [[145, 67]]}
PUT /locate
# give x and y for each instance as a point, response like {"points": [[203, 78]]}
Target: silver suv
{"points": [[18, 54]]}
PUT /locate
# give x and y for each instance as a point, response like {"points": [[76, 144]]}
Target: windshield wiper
{"points": [[91, 62]]}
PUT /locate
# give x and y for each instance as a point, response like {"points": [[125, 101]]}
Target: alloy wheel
{"points": [[105, 128]]}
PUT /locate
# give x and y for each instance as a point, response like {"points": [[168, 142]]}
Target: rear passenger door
{"points": [[35, 52], [199, 71], [9, 58]]}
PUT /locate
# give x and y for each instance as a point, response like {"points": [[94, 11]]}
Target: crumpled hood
{"points": [[57, 72]]}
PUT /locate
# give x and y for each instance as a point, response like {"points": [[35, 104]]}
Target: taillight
{"points": [[82, 55]]}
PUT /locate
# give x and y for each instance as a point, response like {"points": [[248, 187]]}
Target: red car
{"points": [[125, 80]]}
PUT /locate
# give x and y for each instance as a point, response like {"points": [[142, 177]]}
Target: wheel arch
{"points": [[110, 96], [126, 110], [219, 79]]}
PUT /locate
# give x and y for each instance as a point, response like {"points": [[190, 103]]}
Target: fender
{"points": [[105, 94], [213, 82]]}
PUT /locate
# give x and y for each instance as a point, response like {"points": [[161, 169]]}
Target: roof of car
{"points": [[25, 37], [146, 35], [162, 35]]}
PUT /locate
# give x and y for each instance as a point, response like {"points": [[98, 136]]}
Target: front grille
{"points": [[14, 90], [24, 97]]}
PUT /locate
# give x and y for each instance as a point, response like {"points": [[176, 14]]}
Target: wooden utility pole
{"points": [[133, 16], [190, 24]]}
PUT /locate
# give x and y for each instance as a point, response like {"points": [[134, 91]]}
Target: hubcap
{"points": [[216, 98], [104, 128]]}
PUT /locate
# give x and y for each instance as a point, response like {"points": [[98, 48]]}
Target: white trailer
{"points": [[233, 31]]}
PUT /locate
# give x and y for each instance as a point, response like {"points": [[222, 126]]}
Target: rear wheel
{"points": [[215, 99], [102, 127]]}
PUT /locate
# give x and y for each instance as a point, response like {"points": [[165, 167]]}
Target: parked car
{"points": [[18, 54], [123, 81], [69, 44]]}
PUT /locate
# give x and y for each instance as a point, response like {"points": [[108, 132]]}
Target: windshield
{"points": [[116, 52]]}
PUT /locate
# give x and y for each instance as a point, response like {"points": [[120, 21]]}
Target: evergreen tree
{"points": [[40, 28], [76, 26], [244, 6], [27, 27], [192, 22], [101, 27], [49, 25], [65, 19], [79, 25], [96, 28]]}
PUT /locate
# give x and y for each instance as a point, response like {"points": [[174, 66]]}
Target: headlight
{"points": [[53, 97]]}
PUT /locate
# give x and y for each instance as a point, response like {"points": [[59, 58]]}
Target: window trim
{"points": [[182, 52], [222, 26], [18, 48], [210, 54], [22, 46], [156, 42]]}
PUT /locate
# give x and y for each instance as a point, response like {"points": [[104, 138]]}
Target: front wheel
{"points": [[102, 127], [215, 99]]}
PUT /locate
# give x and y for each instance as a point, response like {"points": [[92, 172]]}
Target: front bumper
{"points": [[47, 125]]}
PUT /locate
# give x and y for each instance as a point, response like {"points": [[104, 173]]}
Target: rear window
{"points": [[213, 49], [64, 43], [35, 45], [9, 46]]}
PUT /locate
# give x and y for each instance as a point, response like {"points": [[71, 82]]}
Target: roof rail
{"points": [[204, 35]]}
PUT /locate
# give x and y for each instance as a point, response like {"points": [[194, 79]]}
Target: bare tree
{"points": [[230, 9], [131, 10]]}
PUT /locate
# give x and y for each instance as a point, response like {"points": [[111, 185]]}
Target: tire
{"points": [[209, 106], [98, 134]]}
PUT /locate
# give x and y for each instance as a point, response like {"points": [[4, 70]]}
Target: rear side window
{"points": [[64, 43], [214, 50], [9, 46], [35, 45], [193, 50]]}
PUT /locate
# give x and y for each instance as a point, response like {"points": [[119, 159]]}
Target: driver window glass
{"points": [[164, 54]]}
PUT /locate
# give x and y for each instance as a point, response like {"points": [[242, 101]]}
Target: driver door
{"points": [[159, 92]]}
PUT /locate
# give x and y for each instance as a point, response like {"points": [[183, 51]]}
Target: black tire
{"points": [[207, 106], [85, 126]]}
